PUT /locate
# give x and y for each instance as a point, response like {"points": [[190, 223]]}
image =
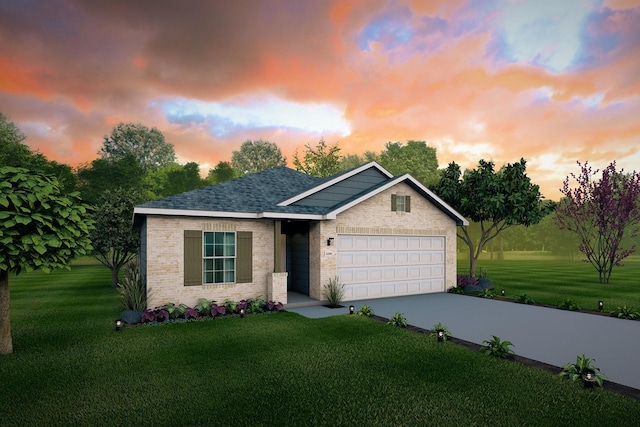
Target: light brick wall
{"points": [[165, 255], [374, 216]]}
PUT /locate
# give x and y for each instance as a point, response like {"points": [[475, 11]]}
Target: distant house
{"points": [[279, 231]]}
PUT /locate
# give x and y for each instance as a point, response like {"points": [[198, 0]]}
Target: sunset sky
{"points": [[553, 81]]}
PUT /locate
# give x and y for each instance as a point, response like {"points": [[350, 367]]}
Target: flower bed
{"points": [[206, 309]]}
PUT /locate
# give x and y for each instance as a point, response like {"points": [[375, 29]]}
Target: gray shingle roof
{"points": [[253, 193]]}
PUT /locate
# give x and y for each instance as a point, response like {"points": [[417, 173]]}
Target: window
{"points": [[219, 257], [400, 203]]}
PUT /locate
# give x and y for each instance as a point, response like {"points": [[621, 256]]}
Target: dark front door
{"points": [[297, 255]]}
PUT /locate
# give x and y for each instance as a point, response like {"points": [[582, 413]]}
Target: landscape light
{"points": [[242, 312], [352, 309], [118, 325], [502, 292], [440, 336], [600, 305]]}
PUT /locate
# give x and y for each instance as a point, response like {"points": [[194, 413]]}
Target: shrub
{"points": [[525, 299], [334, 291], [204, 307], [569, 304], [366, 311], [455, 290], [398, 320], [158, 314], [132, 291], [438, 329], [625, 313], [583, 370], [175, 311], [464, 280], [255, 305], [487, 293], [275, 306], [497, 348]]}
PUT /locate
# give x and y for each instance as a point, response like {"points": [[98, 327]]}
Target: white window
{"points": [[401, 203], [219, 257]]}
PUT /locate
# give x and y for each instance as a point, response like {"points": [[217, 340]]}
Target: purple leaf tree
{"points": [[602, 212]]}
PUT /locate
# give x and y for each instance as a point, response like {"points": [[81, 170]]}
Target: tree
{"points": [[351, 161], [102, 174], [222, 172], [602, 213], [415, 158], [114, 240], [256, 156], [40, 228], [13, 152], [134, 139], [494, 200], [321, 161]]}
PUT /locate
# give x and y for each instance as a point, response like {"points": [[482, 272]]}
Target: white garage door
{"points": [[385, 266]]}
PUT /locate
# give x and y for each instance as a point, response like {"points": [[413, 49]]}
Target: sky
{"points": [[550, 81]]}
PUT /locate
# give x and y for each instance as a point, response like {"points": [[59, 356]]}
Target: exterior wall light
{"points": [[352, 309], [330, 241], [118, 325]]}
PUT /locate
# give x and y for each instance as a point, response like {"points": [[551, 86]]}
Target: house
{"points": [[280, 230]]}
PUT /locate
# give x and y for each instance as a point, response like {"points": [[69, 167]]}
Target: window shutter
{"points": [[393, 203], [244, 257], [407, 204], [192, 257]]}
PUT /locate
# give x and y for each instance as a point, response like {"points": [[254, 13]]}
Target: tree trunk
{"points": [[6, 343], [114, 276]]}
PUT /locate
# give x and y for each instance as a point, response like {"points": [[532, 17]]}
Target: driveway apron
{"points": [[544, 334]]}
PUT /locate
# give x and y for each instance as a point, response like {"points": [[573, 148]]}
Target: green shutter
{"points": [[407, 203], [393, 203], [192, 257], [244, 261]]}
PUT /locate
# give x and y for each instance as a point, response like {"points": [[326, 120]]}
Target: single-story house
{"points": [[280, 230]]}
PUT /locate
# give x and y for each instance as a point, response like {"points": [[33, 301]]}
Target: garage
{"points": [[376, 266]]}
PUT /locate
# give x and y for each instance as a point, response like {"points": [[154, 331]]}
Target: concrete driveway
{"points": [[547, 335]]}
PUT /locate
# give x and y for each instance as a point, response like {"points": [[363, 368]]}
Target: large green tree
{"points": [[146, 145], [415, 158], [102, 174], [222, 172], [115, 241], [256, 156], [321, 160], [493, 200], [40, 228]]}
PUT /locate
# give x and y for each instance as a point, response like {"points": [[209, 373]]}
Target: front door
{"points": [[297, 248]]}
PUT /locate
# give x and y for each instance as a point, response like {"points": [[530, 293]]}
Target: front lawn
{"points": [[549, 280], [71, 367]]}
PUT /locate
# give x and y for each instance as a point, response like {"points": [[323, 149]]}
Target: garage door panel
{"points": [[383, 266]]}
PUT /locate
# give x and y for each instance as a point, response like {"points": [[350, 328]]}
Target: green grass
{"points": [[551, 280], [70, 367]]}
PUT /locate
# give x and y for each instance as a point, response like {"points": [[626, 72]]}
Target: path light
{"points": [[440, 336], [502, 292], [118, 325], [352, 309], [600, 305], [242, 312]]}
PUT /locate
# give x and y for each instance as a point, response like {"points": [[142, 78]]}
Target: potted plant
{"points": [[132, 293]]}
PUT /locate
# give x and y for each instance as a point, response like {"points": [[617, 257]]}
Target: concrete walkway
{"points": [[547, 335]]}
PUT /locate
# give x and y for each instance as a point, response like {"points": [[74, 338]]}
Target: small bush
{"points": [[366, 311], [625, 313], [487, 293], [455, 290], [583, 370], [525, 299], [569, 304], [132, 291], [440, 328], [463, 280], [398, 320], [334, 291], [497, 348]]}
